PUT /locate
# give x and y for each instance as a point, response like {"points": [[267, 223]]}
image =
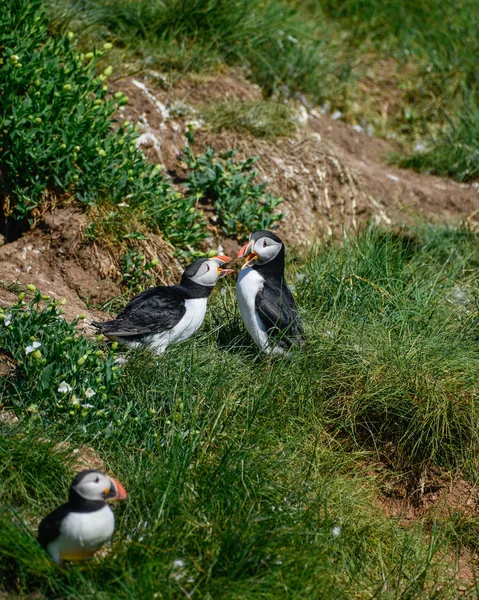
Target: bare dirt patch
{"points": [[60, 262], [82, 458], [55, 258]]}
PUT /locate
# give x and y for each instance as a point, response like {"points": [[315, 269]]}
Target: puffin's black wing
{"points": [[154, 310], [277, 309], [49, 528]]}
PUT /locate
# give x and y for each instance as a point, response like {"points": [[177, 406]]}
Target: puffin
{"points": [[266, 304], [77, 529], [166, 315]]}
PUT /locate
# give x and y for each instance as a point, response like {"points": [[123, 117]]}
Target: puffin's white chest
{"points": [[82, 533], [188, 325], [249, 283]]}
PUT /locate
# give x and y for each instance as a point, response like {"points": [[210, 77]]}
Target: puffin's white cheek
{"points": [[267, 253]]}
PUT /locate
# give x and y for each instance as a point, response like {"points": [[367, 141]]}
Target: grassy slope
{"points": [[416, 61], [241, 469]]}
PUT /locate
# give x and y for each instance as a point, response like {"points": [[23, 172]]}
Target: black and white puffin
{"points": [[266, 304], [165, 315], [75, 530]]}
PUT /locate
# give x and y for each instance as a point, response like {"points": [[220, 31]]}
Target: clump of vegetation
{"points": [[263, 119], [181, 35], [137, 272], [455, 152], [56, 137], [59, 374], [437, 92], [240, 204], [375, 62]]}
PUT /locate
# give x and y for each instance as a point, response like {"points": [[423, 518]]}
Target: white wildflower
{"points": [[178, 563], [32, 348], [89, 393], [87, 405], [75, 401], [64, 388], [336, 531], [120, 360], [178, 569], [8, 319]]}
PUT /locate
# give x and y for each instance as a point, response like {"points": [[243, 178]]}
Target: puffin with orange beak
{"points": [[266, 304], [77, 529], [166, 315]]}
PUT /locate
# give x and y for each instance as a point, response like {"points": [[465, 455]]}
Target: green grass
{"points": [[435, 42], [261, 118], [377, 62], [456, 152], [241, 469], [270, 41]]}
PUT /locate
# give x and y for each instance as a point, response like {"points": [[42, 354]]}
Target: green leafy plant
{"points": [[240, 204], [59, 372], [55, 135], [136, 271]]}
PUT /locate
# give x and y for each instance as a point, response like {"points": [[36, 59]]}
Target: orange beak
{"points": [[221, 259], [247, 251], [119, 492]]}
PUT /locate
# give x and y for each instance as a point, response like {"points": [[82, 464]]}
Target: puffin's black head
{"points": [[95, 486], [206, 271], [264, 248]]}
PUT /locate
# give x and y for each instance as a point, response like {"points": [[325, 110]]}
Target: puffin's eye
{"points": [[97, 480], [265, 244]]}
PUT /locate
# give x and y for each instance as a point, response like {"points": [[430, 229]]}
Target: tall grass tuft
{"points": [[269, 40]]}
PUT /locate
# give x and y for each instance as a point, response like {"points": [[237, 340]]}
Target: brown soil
{"points": [[55, 258], [435, 495], [330, 175], [82, 458], [437, 498]]}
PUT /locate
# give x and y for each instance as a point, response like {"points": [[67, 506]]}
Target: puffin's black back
{"points": [[49, 528], [158, 308]]}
